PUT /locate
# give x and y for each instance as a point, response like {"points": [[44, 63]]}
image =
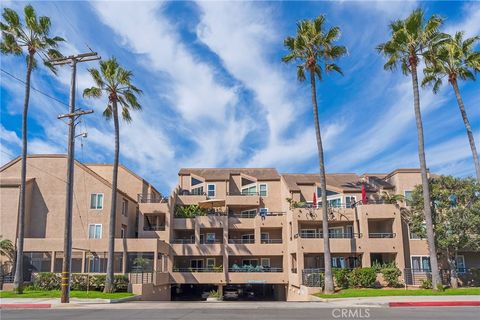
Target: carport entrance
{"points": [[254, 292], [191, 292]]}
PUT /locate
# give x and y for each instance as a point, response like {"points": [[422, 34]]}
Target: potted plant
{"points": [[213, 296]]}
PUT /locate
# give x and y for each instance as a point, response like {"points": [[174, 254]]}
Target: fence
{"points": [[466, 277], [140, 277]]}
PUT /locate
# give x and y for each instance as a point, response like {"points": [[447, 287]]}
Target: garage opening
{"points": [[254, 292], [191, 292]]}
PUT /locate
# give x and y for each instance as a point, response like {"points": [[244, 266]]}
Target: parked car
{"points": [[230, 294]]}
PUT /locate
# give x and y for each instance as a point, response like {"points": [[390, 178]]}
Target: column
{"points": [[52, 262]]}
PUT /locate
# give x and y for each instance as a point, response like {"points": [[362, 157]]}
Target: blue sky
{"points": [[217, 95]]}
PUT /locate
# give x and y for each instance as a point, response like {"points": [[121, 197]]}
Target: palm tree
{"points": [[455, 59], [409, 38], [392, 198], [314, 49], [7, 249], [30, 39], [116, 83]]}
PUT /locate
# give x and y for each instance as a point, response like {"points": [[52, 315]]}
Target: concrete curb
{"points": [[126, 299], [435, 304], [25, 306]]}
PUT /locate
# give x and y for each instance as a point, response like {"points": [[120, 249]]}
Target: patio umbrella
{"points": [[314, 199], [212, 203], [364, 194]]}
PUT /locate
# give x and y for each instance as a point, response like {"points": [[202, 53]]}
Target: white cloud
{"points": [[469, 23], [38, 146]]}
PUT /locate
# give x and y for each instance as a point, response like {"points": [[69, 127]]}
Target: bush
{"points": [[214, 294], [341, 277], [362, 277], [79, 282], [426, 284], [316, 279], [46, 281], [120, 283], [390, 276], [97, 282]]}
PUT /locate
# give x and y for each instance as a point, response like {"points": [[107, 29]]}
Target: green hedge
{"points": [[341, 277], [79, 281], [390, 276], [362, 278]]}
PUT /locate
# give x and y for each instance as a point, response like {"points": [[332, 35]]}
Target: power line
{"points": [[33, 88]]}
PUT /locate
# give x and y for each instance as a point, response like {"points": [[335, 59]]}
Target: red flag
{"points": [[314, 199], [364, 194]]}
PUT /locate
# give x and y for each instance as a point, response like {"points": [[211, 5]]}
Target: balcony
{"points": [[183, 241], [382, 235], [188, 269], [151, 198], [271, 241], [241, 241], [304, 234], [249, 268], [243, 199]]}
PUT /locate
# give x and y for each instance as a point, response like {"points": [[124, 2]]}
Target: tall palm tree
{"points": [[7, 249], [314, 49], [409, 39], [31, 38], [116, 83], [455, 59]]}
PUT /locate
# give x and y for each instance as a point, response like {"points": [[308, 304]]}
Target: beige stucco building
{"points": [[248, 235]]}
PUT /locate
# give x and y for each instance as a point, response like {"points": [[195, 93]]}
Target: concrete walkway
{"points": [[370, 302]]}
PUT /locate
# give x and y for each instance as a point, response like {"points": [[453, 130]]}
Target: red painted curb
{"points": [[25, 306], [435, 304]]}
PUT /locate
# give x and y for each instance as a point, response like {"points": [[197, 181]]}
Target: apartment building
{"points": [[253, 230]]}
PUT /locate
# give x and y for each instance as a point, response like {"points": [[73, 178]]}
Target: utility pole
{"points": [[72, 116]]}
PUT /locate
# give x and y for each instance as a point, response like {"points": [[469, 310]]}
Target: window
{"points": [[210, 263], [460, 263], [210, 237], [211, 190], [265, 262], [336, 232], [153, 222], [249, 190], [408, 197], [95, 231], [335, 203], [264, 236], [421, 263], [263, 190], [248, 213], [263, 212], [96, 201], [308, 233], [248, 238], [250, 262], [338, 262], [196, 264], [194, 182], [125, 207], [350, 201], [349, 231], [197, 191], [123, 232]]}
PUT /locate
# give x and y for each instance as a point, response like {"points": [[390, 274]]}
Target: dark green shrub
{"points": [[426, 284], [362, 278], [46, 281], [315, 279], [390, 276], [97, 282], [78, 282], [120, 283], [341, 277], [440, 287]]}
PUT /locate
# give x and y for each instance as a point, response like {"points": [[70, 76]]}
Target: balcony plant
{"points": [[189, 211]]}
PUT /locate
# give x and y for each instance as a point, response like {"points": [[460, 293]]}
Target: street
{"points": [[463, 313]]}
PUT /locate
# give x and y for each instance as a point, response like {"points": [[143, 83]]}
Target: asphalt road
{"points": [[463, 313]]}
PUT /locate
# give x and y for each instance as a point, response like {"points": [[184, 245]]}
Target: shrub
{"points": [[440, 287], [79, 282], [362, 277], [315, 279], [390, 276], [426, 284], [97, 282], [46, 281], [120, 283], [341, 277], [213, 294]]}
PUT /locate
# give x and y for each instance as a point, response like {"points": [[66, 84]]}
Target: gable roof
{"points": [[78, 163], [342, 182], [225, 173]]}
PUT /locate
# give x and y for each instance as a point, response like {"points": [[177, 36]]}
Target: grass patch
{"points": [[73, 294], [353, 293]]}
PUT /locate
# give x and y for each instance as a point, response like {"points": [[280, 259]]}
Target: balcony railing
{"points": [[194, 192], [241, 241], [151, 198], [242, 193], [153, 228], [211, 241], [254, 214], [183, 241], [249, 268], [188, 269], [345, 235], [271, 241], [382, 235]]}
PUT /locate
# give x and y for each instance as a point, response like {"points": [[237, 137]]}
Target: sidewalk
{"points": [[366, 302]]}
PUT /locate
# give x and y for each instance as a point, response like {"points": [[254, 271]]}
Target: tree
{"points": [[409, 38], [392, 198], [116, 83], [7, 249], [456, 217], [33, 37], [455, 59], [314, 49]]}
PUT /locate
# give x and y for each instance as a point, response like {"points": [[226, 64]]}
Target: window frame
{"points": [[464, 264], [96, 194], [250, 260], [94, 230], [406, 198], [124, 207], [207, 263], [248, 186], [265, 259], [123, 231], [209, 234], [214, 190], [260, 189], [421, 257]]}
